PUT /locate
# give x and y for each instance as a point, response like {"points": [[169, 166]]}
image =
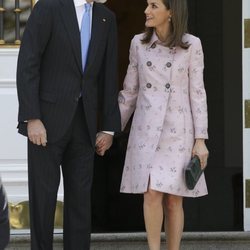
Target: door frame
{"points": [[246, 98]]}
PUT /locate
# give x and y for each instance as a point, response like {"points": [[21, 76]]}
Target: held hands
{"points": [[37, 132], [201, 151], [103, 142]]}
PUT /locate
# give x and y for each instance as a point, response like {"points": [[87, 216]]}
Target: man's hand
{"points": [[37, 132], [103, 142]]}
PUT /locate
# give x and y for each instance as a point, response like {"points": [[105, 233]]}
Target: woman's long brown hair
{"points": [[178, 24]]}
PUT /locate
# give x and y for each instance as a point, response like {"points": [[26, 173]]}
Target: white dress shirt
{"points": [[80, 10]]}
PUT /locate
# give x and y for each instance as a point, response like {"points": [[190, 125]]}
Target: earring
{"points": [[170, 18]]}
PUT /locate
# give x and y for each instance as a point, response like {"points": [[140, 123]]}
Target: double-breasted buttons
{"points": [[167, 85], [153, 45], [149, 63], [148, 85], [169, 64]]}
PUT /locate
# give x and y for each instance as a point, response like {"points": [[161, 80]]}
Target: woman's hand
{"points": [[200, 149], [103, 142]]}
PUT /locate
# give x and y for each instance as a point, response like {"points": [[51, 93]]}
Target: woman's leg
{"points": [[153, 217], [174, 220]]}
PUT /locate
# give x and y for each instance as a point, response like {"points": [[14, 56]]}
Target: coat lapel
{"points": [[70, 22]]}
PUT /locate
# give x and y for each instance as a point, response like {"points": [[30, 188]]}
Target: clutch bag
{"points": [[193, 172]]}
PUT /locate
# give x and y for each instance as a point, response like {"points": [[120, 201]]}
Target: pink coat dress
{"points": [[164, 89]]}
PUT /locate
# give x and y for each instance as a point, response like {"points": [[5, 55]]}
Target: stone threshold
{"points": [[23, 236]]}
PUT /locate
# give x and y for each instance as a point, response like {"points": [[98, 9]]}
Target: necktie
{"points": [[85, 34]]}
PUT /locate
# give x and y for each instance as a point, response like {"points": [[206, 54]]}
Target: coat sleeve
{"points": [[128, 96], [34, 41], [198, 98], [111, 120]]}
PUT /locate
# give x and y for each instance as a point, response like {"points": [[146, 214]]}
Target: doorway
{"points": [[218, 24]]}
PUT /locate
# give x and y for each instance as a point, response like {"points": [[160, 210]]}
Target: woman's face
{"points": [[156, 14]]}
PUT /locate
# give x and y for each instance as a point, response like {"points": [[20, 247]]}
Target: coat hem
{"points": [[166, 192]]}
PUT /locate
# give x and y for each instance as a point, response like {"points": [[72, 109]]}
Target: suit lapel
{"points": [[96, 34], [70, 22]]}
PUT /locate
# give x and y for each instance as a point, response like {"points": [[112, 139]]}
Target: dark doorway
{"points": [[218, 24]]}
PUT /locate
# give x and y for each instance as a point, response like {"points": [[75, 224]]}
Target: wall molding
{"points": [[7, 83], [9, 51], [14, 163]]}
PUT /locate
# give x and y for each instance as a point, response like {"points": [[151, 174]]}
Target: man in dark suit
{"points": [[4, 219], [60, 98]]}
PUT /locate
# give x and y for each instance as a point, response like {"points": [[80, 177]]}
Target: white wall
{"points": [[13, 147]]}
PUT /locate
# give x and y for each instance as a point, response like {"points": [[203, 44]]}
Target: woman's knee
{"points": [[173, 203], [153, 197]]}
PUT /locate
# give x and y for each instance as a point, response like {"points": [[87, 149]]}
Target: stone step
{"points": [[137, 241]]}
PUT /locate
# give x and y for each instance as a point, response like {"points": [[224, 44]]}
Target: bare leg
{"points": [[153, 217], [174, 220]]}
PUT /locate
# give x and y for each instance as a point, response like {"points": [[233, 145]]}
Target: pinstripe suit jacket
{"points": [[49, 72]]}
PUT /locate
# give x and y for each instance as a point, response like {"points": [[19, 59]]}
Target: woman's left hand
{"points": [[200, 149]]}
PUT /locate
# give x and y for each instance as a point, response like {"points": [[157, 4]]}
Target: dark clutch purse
{"points": [[193, 172]]}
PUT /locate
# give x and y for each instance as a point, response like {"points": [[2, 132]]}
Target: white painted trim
{"points": [[8, 83], [15, 200], [9, 51], [17, 181], [13, 162]]}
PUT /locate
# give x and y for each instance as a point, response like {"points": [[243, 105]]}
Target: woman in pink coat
{"points": [[164, 89]]}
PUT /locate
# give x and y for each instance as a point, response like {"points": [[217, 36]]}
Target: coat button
{"points": [[148, 85], [76, 99], [169, 64], [153, 45], [149, 63], [167, 85]]}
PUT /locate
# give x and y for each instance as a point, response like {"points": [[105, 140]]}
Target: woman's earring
{"points": [[170, 18]]}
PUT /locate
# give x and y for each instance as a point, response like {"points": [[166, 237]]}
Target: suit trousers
{"points": [[75, 154]]}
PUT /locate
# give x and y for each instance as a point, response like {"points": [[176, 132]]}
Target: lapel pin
{"points": [[104, 19]]}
